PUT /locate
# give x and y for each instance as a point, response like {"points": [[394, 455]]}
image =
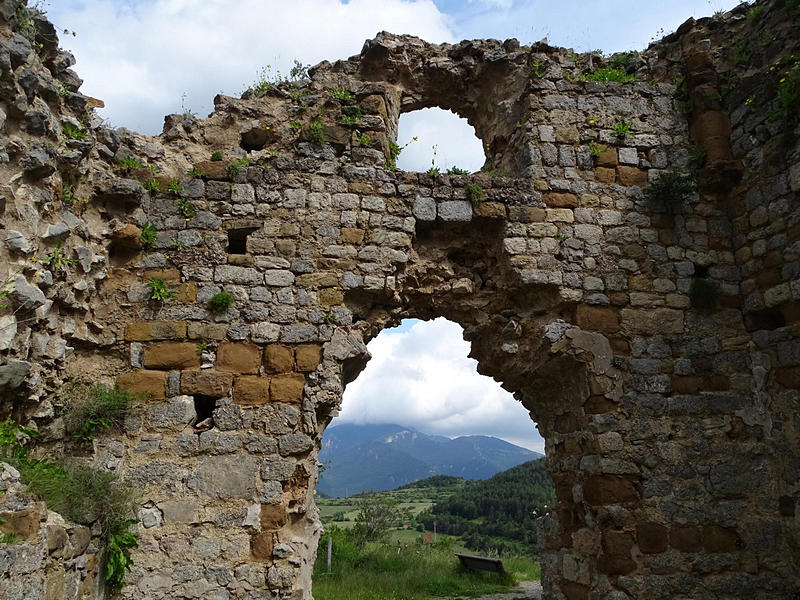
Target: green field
{"points": [[404, 568], [406, 564]]}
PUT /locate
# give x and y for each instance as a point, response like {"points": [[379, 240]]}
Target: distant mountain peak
{"points": [[382, 457]]}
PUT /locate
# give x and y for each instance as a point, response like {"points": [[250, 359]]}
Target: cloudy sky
{"points": [[149, 58]]}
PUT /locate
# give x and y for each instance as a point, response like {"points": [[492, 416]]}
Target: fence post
{"points": [[330, 546]]}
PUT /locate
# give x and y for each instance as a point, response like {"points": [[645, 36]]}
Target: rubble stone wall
{"points": [[655, 342]]}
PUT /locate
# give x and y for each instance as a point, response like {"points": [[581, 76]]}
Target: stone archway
{"points": [[653, 337]]}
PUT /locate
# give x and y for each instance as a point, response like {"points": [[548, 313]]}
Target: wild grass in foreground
{"points": [[376, 571]]}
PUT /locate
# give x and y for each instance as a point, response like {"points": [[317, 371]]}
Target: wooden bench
{"points": [[480, 563]]}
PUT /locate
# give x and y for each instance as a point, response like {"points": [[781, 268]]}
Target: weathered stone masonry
{"points": [[671, 431]]}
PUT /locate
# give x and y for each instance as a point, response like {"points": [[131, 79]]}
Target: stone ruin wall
{"points": [[671, 432]]}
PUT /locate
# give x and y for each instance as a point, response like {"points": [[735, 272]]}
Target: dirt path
{"points": [[526, 590]]}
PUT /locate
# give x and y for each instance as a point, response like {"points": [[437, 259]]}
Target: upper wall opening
{"points": [[433, 138]]}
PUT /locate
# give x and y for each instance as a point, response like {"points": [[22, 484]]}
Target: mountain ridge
{"points": [[363, 458]]}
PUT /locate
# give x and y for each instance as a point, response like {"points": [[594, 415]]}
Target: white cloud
{"points": [[455, 139], [141, 57], [494, 3], [421, 377]]}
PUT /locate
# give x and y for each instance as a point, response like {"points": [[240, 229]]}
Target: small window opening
{"points": [[438, 141], [204, 409], [237, 240]]}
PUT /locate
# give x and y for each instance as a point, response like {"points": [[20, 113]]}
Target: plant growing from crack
{"points": [[221, 302], [159, 290], [57, 261], [671, 188], [434, 170], [234, 168], [73, 132], [622, 130], [316, 132], [187, 208], [148, 235], [595, 149], [456, 171], [475, 194], [343, 96], [366, 141], [351, 114]]}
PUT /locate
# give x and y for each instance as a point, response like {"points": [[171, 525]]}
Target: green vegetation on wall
{"points": [[79, 492]]}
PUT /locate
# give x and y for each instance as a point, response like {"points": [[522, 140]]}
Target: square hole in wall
{"points": [[237, 239]]}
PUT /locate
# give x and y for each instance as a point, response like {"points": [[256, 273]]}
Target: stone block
{"points": [[273, 517], [352, 235], [278, 359], [630, 176], [424, 209], [567, 134], [609, 489], [308, 357], [318, 279], [127, 236], [207, 331], [605, 175], [238, 357], [240, 275], [144, 331], [278, 277], [261, 546], [615, 565], [150, 384], [652, 538], [251, 390], [686, 385], [788, 377], [330, 297], [206, 382], [186, 293], [491, 210], [287, 388], [171, 355], [686, 539], [597, 318], [168, 275], [659, 321], [607, 158], [718, 539], [455, 211], [628, 156], [294, 443], [179, 511], [228, 476], [526, 214], [560, 200], [574, 591], [560, 215], [617, 543], [24, 523]]}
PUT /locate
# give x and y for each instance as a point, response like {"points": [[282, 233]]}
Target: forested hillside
{"points": [[498, 513]]}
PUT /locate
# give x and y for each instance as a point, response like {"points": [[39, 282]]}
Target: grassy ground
{"points": [[408, 571]]}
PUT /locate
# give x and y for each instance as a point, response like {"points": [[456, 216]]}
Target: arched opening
{"points": [[433, 139], [447, 453]]}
